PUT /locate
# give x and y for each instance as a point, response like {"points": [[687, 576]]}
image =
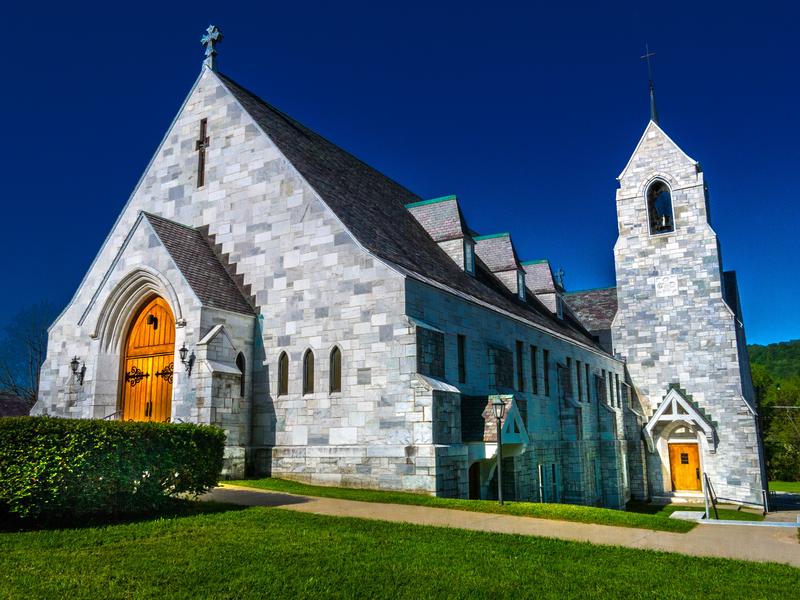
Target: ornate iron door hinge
{"points": [[166, 373], [135, 375]]}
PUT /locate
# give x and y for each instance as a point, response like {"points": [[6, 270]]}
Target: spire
{"points": [[653, 110], [212, 36]]}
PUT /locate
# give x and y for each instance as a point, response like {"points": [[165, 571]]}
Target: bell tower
{"points": [[679, 326]]}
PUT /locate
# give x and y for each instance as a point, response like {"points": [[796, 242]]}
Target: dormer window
{"points": [[469, 256], [560, 307], [521, 284], [659, 208]]}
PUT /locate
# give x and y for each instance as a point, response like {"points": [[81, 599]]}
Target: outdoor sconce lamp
{"points": [[187, 362], [499, 408], [78, 373]]}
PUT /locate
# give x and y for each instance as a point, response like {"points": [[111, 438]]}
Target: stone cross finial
{"points": [[212, 36]]}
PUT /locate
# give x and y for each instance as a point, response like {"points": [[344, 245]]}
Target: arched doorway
{"points": [[149, 364]]}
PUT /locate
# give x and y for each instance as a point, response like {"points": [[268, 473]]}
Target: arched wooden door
{"points": [[149, 364]]}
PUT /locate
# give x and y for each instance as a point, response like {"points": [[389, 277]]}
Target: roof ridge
{"points": [[491, 236], [597, 289], [150, 215], [372, 208], [305, 130], [432, 201]]}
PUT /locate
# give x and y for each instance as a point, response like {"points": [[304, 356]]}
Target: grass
{"points": [[665, 511], [785, 486], [560, 512], [273, 553]]}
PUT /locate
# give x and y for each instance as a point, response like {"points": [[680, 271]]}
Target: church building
{"points": [[344, 331]]}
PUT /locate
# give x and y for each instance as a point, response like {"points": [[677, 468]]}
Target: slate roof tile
{"points": [[595, 308], [199, 264], [373, 208], [497, 252], [539, 276]]}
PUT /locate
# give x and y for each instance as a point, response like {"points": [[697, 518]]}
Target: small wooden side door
{"points": [[684, 461]]}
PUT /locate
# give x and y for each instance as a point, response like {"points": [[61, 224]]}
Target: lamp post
{"points": [[499, 408]]}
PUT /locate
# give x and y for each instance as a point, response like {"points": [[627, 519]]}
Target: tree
{"points": [[23, 348]]}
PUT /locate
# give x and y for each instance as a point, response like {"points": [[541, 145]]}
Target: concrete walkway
{"points": [[763, 544]]}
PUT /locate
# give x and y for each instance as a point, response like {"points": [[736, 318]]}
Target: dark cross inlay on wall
{"points": [[201, 145]]}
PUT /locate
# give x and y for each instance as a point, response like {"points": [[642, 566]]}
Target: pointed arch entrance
{"points": [[148, 364]]}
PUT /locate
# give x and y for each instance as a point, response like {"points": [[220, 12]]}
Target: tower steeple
{"points": [[653, 110]]}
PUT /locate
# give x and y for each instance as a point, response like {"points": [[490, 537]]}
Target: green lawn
{"points": [[666, 511], [785, 486], [274, 553], [561, 512]]}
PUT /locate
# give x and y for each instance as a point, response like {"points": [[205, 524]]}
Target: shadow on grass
{"points": [[644, 507], [238, 496], [174, 508]]}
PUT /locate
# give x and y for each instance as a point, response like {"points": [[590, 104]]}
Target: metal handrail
{"points": [[112, 415], [710, 497]]}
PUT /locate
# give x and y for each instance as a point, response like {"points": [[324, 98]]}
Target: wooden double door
{"points": [[684, 462], [149, 364]]}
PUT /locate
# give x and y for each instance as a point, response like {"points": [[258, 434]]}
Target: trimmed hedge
{"points": [[53, 467]]}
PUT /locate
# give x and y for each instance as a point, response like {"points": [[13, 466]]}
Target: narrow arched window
{"points": [[283, 374], [659, 208], [308, 372], [336, 370], [240, 364]]}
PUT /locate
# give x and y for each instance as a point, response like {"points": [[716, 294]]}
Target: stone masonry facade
{"points": [[675, 324], [425, 344]]}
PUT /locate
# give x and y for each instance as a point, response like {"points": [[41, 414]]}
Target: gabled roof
{"points": [[478, 423], [196, 260], [373, 209], [441, 218], [653, 126], [596, 309], [677, 406], [497, 252], [539, 276]]}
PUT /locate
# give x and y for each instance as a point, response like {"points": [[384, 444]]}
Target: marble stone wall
{"points": [[673, 325]]}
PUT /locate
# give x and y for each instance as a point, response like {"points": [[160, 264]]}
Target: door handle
{"points": [[697, 472]]}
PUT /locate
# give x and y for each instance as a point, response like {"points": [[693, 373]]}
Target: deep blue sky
{"points": [[527, 112]]}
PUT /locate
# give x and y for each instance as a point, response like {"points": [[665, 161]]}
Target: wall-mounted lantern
{"points": [[78, 373], [188, 362]]}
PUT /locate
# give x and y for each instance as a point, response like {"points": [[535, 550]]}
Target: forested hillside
{"points": [[781, 360], [776, 376]]}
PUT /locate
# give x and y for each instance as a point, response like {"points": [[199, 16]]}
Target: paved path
{"points": [[765, 544]]}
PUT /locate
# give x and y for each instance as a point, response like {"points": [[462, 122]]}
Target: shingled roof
{"points": [[497, 252], [539, 276], [373, 208], [441, 218], [595, 308], [205, 274]]}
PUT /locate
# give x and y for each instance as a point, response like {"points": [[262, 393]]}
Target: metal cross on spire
{"points": [[212, 36], [646, 57]]}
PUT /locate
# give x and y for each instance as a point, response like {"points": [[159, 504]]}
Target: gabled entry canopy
{"points": [[676, 407], [478, 423]]}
